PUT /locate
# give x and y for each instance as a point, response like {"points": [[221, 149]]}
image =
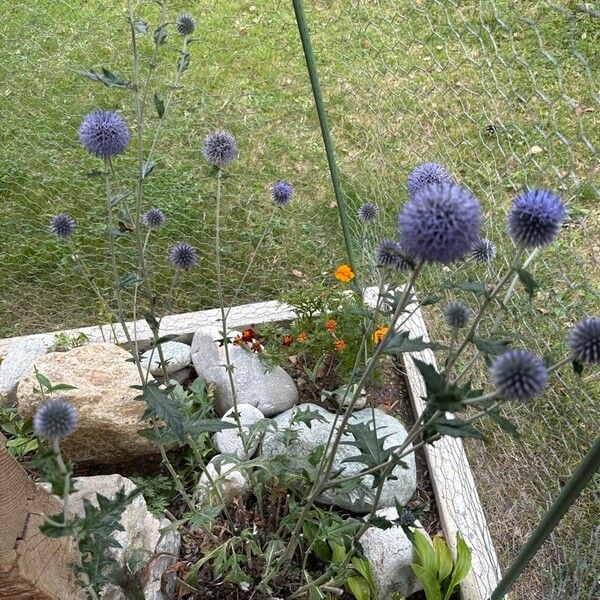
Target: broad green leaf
{"points": [[358, 587], [489, 345], [425, 551], [160, 35], [456, 428], [443, 558], [506, 425], [476, 287], [363, 566], [107, 77], [461, 566], [338, 552], [429, 581], [397, 343]]}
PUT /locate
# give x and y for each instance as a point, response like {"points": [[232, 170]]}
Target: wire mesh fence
{"points": [[504, 93]]}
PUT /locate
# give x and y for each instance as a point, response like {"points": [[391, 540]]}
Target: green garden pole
{"points": [[325, 131], [570, 492]]}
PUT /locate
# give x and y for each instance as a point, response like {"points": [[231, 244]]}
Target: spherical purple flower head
{"points": [[584, 341], [55, 419], [456, 315], [426, 174], [104, 133], [182, 256], [518, 374], [62, 225], [281, 193], [367, 212], [185, 24], [153, 218], [535, 217], [439, 223], [390, 254], [219, 148], [483, 251]]}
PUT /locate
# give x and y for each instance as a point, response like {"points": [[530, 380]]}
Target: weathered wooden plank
{"points": [[31, 565]]}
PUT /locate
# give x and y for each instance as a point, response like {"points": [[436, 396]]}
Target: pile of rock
{"points": [[266, 398]]}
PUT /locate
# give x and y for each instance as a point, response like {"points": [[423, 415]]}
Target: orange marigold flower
{"points": [[238, 340], [379, 334], [330, 325], [344, 273], [302, 337], [339, 345], [287, 340], [249, 334], [256, 347]]}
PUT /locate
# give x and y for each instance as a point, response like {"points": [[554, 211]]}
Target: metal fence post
{"points": [[325, 131], [586, 469]]}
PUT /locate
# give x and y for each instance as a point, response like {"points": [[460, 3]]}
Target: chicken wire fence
{"points": [[504, 93]]}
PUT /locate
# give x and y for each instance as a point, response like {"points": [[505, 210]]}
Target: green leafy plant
{"points": [[21, 439], [435, 568]]}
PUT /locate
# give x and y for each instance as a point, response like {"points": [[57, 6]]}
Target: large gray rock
{"points": [[177, 356], [361, 498], [109, 414], [141, 542], [229, 441], [19, 357], [272, 391], [390, 553]]}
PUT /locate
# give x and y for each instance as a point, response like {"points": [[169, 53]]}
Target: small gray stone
{"points": [[19, 357], [177, 356], [272, 390], [390, 553], [225, 475], [228, 441], [360, 499], [181, 377]]}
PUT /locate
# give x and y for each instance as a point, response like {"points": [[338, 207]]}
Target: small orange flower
{"points": [[379, 334], [344, 273], [238, 340], [302, 337], [256, 347], [330, 325], [287, 340], [249, 334], [339, 345]]}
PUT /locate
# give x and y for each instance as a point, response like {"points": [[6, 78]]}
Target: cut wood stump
{"points": [[32, 566]]}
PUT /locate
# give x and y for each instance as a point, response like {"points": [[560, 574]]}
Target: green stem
{"points": [[340, 199]]}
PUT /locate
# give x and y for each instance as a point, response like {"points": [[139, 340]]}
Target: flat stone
{"points": [[177, 356], [19, 357], [109, 414], [225, 475], [360, 499], [229, 441], [390, 554], [271, 390]]}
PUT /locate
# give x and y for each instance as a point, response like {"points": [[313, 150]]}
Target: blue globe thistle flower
{"points": [[535, 217], [390, 254], [439, 223], [219, 148], [55, 419], [185, 24], [456, 314], [62, 225], [584, 341], [367, 212], [183, 256], [104, 133], [483, 251], [518, 374], [281, 193], [153, 218], [426, 174]]}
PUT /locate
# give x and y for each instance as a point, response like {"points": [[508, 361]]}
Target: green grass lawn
{"points": [[501, 92]]}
